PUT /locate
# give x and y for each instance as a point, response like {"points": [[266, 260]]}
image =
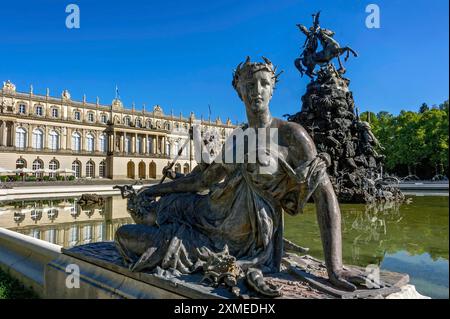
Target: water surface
{"points": [[409, 238]]}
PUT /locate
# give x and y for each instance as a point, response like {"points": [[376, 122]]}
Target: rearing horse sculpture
{"points": [[330, 49]]}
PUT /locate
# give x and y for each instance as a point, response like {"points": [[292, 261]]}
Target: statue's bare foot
{"points": [[350, 278]]}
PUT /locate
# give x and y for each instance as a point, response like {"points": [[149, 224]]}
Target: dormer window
{"points": [[39, 110], [22, 108], [54, 112], [77, 116], [91, 117], [126, 121], [138, 123]]}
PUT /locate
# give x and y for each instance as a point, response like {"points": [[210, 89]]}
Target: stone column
{"points": [[4, 133], [68, 139], [154, 146], [83, 140], [133, 143], [30, 136], [144, 144], [13, 134], [163, 142], [114, 141]]}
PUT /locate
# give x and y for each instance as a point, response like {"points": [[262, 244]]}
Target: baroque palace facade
{"points": [[95, 141]]}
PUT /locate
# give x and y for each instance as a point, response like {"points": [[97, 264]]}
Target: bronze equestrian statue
{"points": [[330, 49]]}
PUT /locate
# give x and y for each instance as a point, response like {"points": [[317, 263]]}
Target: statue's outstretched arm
{"points": [[191, 183]]}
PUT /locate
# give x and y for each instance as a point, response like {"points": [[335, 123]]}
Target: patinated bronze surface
{"points": [[241, 213]]}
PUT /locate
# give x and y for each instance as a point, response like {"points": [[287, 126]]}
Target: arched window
{"points": [[77, 116], [73, 236], [90, 169], [130, 170], [102, 169], [50, 235], [149, 124], [126, 120], [21, 137], [76, 142], [186, 169], [152, 170], [138, 122], [87, 234], [54, 140], [21, 163], [141, 169], [39, 110], [103, 144], [178, 168], [38, 164], [89, 142], [76, 166], [53, 165], [38, 139], [127, 145]]}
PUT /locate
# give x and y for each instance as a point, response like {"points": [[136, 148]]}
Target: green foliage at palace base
{"points": [[11, 288], [415, 142]]}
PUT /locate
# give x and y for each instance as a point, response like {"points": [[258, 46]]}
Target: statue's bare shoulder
{"points": [[296, 140]]}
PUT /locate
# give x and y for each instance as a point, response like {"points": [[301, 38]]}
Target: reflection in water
{"points": [[63, 221], [404, 238], [372, 234]]}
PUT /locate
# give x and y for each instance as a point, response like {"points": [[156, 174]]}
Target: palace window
{"points": [[22, 109], [21, 163], [76, 166], [149, 124], [38, 164], [176, 148], [87, 234], [104, 119], [55, 112], [21, 137], [167, 148], [91, 117], [54, 140], [149, 145], [138, 123], [73, 236], [90, 169], [126, 121], [89, 142], [103, 144], [102, 169], [53, 165], [50, 235], [77, 116], [76, 142], [38, 139], [139, 145], [39, 110], [127, 145]]}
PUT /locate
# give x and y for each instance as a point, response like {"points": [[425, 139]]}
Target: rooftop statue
{"points": [[330, 49], [233, 230]]}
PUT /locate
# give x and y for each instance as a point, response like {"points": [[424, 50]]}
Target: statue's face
{"points": [[257, 91]]}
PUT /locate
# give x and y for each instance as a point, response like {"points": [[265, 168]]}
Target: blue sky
{"points": [[180, 54]]}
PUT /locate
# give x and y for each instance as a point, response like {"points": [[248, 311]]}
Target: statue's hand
{"points": [[168, 172], [349, 279]]}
